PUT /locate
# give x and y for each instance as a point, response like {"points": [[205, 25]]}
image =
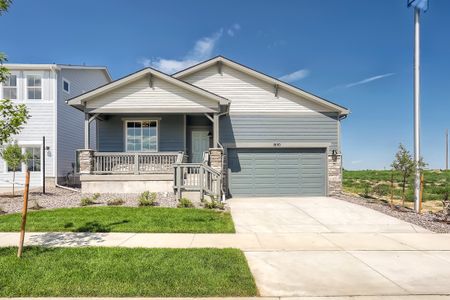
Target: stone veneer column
{"points": [[334, 174], [86, 161], [216, 162]]}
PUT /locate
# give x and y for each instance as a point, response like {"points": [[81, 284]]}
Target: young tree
{"points": [[13, 156], [12, 118], [405, 165]]}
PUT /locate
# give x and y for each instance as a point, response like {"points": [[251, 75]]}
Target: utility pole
{"points": [[417, 108]]}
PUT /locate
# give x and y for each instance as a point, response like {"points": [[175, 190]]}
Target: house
{"points": [[44, 88], [217, 128]]}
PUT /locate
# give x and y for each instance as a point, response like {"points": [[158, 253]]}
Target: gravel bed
{"points": [[60, 198], [431, 221]]}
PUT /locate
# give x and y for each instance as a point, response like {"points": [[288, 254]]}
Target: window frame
{"points": [[125, 127], [27, 87], [23, 166], [11, 86], [64, 80]]}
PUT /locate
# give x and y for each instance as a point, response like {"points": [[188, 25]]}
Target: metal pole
{"points": [[43, 165], [417, 108]]}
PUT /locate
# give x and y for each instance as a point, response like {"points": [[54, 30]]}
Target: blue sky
{"points": [[357, 53]]}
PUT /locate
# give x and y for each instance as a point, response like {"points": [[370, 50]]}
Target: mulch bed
{"points": [[56, 197], [431, 221]]}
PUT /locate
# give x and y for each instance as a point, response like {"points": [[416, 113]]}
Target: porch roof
{"points": [[148, 91]]}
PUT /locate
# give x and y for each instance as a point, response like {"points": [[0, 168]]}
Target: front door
{"points": [[199, 144]]}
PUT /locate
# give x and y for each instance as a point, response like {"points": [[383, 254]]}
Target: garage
{"points": [[277, 172]]}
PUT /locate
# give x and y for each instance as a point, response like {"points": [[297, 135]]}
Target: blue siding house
{"points": [[218, 128]]}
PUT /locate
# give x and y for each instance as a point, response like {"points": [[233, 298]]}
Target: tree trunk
{"points": [[14, 181], [403, 191]]}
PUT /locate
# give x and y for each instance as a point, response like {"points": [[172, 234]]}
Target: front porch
{"points": [[152, 131], [181, 154]]}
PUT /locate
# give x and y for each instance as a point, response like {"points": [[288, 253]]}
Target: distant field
{"points": [[376, 183]]}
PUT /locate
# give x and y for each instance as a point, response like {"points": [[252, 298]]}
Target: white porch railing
{"points": [[134, 163], [197, 177]]}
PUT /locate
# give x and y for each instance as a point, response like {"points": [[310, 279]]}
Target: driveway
{"points": [[311, 214], [324, 247]]}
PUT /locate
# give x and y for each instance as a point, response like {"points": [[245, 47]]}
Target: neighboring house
{"points": [[44, 88], [215, 128]]}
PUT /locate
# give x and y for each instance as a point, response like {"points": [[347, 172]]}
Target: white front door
{"points": [[199, 144]]}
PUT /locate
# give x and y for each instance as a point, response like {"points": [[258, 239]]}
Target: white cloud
{"points": [[203, 49], [295, 76], [233, 29], [367, 80]]}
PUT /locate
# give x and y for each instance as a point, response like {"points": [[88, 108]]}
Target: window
{"points": [[66, 86], [34, 158], [142, 136], [34, 87], [33, 162], [10, 88]]}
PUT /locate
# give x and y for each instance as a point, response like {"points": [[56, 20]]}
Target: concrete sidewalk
{"points": [[306, 264], [243, 241], [410, 297]]}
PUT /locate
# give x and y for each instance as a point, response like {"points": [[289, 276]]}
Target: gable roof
{"points": [[264, 77], [57, 67], [79, 100]]}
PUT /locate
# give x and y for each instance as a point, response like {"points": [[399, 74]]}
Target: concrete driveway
{"points": [[311, 214], [324, 247]]}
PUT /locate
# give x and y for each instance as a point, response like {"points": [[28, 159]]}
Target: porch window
{"points": [[10, 88], [142, 136]]}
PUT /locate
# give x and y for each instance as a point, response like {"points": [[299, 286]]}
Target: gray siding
{"points": [[171, 132], [299, 128], [70, 126]]}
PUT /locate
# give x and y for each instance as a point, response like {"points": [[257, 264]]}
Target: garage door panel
{"points": [[272, 172]]}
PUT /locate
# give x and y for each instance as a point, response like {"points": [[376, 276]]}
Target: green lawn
{"points": [[123, 219], [119, 272]]}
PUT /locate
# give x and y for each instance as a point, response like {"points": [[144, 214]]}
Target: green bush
{"points": [[85, 201], [147, 199], [186, 203], [382, 189], [96, 196], [366, 192], [115, 202], [214, 204]]}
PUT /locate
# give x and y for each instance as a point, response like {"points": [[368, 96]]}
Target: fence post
{"points": [[136, 163], [24, 213]]}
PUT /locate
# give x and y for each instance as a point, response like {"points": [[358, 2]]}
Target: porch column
{"points": [[87, 133], [216, 131]]}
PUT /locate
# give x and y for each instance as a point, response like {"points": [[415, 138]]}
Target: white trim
{"points": [[68, 85], [3, 86], [55, 125], [125, 134]]}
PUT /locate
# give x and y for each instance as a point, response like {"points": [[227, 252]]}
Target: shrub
{"points": [[366, 192], [115, 202], [85, 201], [147, 199], [214, 204], [186, 203], [382, 189], [96, 196]]}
